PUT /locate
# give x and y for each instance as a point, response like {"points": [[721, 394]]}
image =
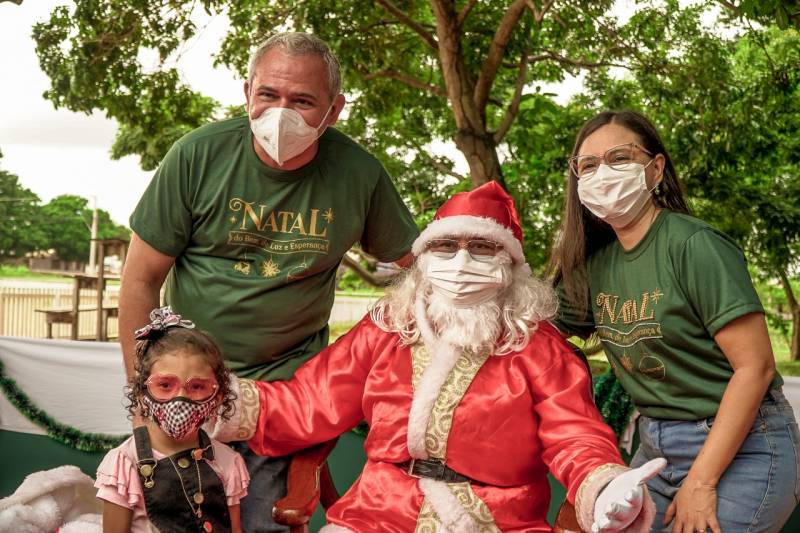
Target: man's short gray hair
{"points": [[298, 43]]}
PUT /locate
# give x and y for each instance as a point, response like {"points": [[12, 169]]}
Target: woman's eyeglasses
{"points": [[617, 157], [163, 387]]}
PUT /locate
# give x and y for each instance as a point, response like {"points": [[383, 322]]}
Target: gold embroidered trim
{"points": [[250, 401], [428, 521], [476, 508], [453, 390]]}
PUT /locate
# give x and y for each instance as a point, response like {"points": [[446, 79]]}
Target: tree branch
{"points": [[462, 16], [574, 62], [407, 80], [437, 164], [496, 51], [787, 288], [728, 5], [363, 273], [411, 23], [513, 107], [538, 16], [18, 2]]}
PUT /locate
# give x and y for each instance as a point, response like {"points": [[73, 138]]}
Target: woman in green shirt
{"points": [[672, 302]]}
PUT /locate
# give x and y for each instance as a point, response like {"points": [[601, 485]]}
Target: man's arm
{"points": [[144, 273]]}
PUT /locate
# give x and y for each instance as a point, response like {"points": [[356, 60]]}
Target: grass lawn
{"points": [[21, 272]]}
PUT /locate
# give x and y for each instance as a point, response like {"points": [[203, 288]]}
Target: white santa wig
{"points": [[486, 213]]}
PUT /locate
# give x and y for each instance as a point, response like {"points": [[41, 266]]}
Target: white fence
{"points": [[20, 300]]}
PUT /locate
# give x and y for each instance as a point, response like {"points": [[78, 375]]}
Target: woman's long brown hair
{"points": [[581, 233]]}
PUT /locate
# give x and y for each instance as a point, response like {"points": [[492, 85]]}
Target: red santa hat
{"points": [[487, 212]]}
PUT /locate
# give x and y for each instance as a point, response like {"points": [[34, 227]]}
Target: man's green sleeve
{"points": [[163, 217], [390, 229]]}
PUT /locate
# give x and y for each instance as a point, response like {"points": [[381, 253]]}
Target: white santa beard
{"points": [[470, 328]]}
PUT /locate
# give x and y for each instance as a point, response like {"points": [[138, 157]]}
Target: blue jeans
{"points": [[761, 486], [267, 485]]}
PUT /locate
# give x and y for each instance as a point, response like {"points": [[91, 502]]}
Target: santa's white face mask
{"points": [[463, 280], [283, 133], [615, 196]]}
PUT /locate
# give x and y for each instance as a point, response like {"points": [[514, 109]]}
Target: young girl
{"points": [[170, 473], [672, 302]]}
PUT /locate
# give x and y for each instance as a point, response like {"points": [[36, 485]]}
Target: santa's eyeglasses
{"points": [[478, 249], [164, 387]]}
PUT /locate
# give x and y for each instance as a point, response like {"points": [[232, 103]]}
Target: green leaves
{"points": [[19, 231], [95, 58], [63, 224]]}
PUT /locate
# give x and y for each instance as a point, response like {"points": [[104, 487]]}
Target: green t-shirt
{"points": [[656, 309], [257, 248]]}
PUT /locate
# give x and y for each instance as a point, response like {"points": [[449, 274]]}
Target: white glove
{"points": [[618, 505]]}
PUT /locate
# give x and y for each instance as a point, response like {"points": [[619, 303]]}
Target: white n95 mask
{"points": [[463, 280], [615, 196], [283, 133]]}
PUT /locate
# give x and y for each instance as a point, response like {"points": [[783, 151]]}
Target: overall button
{"points": [[183, 462]]}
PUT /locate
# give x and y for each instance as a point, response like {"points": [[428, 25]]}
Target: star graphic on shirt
{"points": [[656, 295], [328, 215], [269, 269], [233, 220]]}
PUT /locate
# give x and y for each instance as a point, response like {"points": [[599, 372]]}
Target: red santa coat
{"points": [[521, 415]]}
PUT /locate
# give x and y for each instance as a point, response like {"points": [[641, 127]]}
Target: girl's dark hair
{"points": [[582, 233], [175, 339]]}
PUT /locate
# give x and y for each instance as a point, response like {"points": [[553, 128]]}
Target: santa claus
{"points": [[470, 394]]}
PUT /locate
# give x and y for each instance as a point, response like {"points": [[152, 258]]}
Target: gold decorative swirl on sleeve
{"points": [[250, 403]]}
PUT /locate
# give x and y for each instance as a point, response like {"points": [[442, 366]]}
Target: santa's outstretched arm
{"points": [[321, 401]]}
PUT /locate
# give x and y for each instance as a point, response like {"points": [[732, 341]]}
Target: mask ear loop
{"points": [[321, 122], [655, 190]]}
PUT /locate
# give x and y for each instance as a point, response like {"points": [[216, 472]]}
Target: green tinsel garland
{"points": [[609, 396], [613, 402], [87, 442]]}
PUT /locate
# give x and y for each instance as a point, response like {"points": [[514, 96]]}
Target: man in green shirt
{"points": [[247, 220]]}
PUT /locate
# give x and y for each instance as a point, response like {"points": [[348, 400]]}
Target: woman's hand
{"points": [[694, 508]]}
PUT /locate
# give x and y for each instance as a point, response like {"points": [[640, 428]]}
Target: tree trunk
{"points": [[481, 154], [794, 307], [794, 354], [472, 139]]}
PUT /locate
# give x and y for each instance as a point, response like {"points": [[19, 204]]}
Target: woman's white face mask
{"points": [[463, 280], [616, 196]]}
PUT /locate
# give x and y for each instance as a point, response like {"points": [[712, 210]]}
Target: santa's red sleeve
{"points": [[323, 400]]}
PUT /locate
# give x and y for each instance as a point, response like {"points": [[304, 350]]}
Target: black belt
{"points": [[433, 469]]}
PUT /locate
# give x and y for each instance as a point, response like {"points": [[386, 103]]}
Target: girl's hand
{"points": [[694, 508]]}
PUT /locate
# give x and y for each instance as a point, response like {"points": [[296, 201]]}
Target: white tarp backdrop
{"points": [[80, 384]]}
